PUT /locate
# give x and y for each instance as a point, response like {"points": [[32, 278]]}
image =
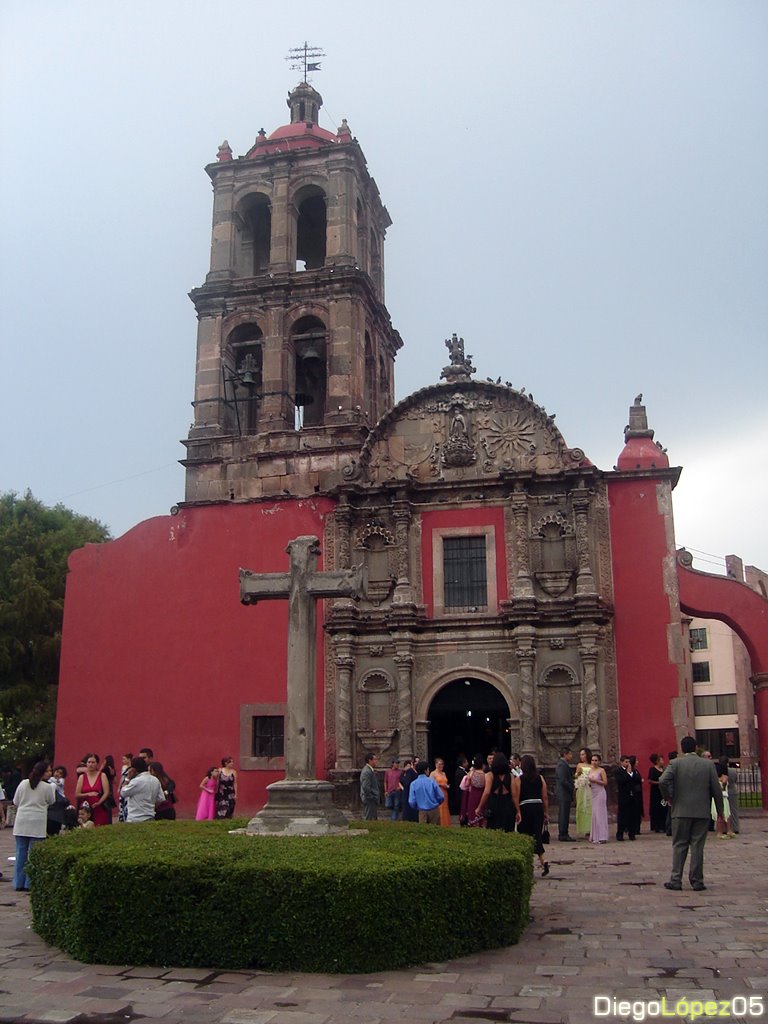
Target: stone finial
{"points": [[343, 131], [225, 152], [461, 367], [638, 420]]}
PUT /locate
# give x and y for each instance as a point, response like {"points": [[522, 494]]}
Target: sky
{"points": [[579, 188]]}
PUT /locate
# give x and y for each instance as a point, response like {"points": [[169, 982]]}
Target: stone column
{"points": [[581, 498], [402, 515], [404, 662], [522, 586], [588, 653], [282, 244], [526, 657], [345, 664]]}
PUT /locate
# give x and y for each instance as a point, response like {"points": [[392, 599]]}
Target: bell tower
{"points": [[295, 347]]}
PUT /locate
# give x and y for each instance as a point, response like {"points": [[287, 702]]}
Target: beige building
{"points": [[723, 701]]}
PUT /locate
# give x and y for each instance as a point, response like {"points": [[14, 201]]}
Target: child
{"points": [[206, 805], [85, 816], [724, 830]]}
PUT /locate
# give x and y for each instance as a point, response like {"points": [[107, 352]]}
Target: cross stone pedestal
{"points": [[296, 808], [300, 804]]}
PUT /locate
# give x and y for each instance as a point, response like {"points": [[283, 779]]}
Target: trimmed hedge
{"points": [[188, 894]]}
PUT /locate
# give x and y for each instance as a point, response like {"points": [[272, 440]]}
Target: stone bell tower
{"points": [[295, 347]]}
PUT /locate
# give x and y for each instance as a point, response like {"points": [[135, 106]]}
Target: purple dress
{"points": [[599, 833]]}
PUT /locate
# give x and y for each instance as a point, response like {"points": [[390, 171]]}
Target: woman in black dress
{"points": [[656, 812], [531, 800], [496, 801]]}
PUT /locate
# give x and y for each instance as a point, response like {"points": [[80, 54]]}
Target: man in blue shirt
{"points": [[425, 796]]}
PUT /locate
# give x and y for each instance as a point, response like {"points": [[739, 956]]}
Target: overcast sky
{"points": [[579, 188]]}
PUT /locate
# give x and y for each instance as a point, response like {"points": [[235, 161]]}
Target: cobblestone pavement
{"points": [[603, 926]]}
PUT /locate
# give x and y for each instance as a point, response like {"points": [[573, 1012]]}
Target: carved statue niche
{"points": [[376, 712], [378, 545], [559, 698], [553, 550]]}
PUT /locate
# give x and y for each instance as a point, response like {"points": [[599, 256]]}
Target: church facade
{"points": [[518, 596]]}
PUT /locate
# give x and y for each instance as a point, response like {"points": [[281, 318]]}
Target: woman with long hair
{"points": [[598, 784], [583, 793], [226, 792], [32, 799], [472, 787], [496, 801], [531, 800], [657, 811], [442, 780], [93, 786], [206, 804], [165, 811]]}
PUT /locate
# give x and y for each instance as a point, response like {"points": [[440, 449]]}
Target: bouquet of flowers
{"points": [[581, 781]]}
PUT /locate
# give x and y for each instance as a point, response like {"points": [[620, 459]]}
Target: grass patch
{"points": [[188, 894]]}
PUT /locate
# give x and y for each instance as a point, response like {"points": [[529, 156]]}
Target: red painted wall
{"points": [[647, 680], [454, 518], [156, 641]]}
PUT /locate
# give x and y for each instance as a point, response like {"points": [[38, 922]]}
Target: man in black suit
{"points": [[624, 786], [564, 789], [690, 784]]}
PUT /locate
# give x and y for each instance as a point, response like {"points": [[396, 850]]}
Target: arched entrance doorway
{"points": [[467, 716]]}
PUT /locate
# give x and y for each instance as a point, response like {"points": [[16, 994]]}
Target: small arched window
{"points": [[309, 346]]}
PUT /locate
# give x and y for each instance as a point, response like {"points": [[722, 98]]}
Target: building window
{"points": [[262, 737], [268, 736], [464, 570], [699, 639], [715, 704], [719, 742], [464, 574], [700, 671]]}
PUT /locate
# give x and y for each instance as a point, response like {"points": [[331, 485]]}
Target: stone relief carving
{"points": [[376, 713], [559, 700]]}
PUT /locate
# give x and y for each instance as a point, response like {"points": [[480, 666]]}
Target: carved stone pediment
{"points": [[464, 431]]}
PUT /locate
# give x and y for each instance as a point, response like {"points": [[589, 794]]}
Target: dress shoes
{"points": [[565, 839], [673, 885], [698, 886]]}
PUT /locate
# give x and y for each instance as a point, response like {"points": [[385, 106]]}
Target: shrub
{"points": [[188, 894]]}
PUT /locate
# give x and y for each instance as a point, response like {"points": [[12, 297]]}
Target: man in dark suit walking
{"points": [[689, 784], [564, 788]]}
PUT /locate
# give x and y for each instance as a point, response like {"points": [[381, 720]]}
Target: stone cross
{"points": [[303, 586]]}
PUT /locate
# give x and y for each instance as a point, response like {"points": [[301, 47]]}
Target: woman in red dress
{"points": [[93, 788]]}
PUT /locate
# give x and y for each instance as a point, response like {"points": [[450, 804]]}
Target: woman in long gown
{"points": [[226, 792], [583, 793], [206, 804], [598, 783], [529, 795], [472, 786], [93, 788], [656, 811], [442, 780]]}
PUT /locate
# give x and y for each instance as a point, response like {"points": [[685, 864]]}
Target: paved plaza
{"points": [[603, 926]]}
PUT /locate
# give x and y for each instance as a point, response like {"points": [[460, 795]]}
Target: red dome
{"points": [[300, 135], [642, 453]]}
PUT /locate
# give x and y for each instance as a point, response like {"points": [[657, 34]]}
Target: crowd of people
{"points": [[39, 805], [511, 794]]}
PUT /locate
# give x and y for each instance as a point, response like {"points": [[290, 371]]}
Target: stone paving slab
{"points": [[602, 925]]}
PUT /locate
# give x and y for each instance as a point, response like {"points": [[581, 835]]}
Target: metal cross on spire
{"points": [[304, 58]]}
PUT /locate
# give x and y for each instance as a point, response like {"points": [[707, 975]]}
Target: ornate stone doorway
{"points": [[467, 716]]}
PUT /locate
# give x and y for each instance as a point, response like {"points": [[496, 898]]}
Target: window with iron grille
{"points": [[699, 639], [700, 671], [268, 736], [464, 574]]}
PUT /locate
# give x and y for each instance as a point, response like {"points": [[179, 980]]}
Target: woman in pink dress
{"points": [[206, 805], [598, 782], [472, 786]]}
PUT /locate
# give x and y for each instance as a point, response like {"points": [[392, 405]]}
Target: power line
{"points": [[122, 480]]}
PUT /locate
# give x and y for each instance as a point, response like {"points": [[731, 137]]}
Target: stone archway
{"points": [[465, 712], [716, 597]]}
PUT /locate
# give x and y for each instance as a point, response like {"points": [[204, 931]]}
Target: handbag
{"points": [[545, 836]]}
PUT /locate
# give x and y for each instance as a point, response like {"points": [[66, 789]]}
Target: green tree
{"points": [[35, 543]]}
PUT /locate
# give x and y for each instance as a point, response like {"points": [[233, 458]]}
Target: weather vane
{"points": [[304, 58]]}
